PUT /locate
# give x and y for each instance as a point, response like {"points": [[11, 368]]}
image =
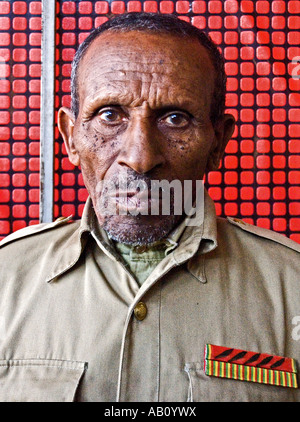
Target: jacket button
{"points": [[140, 311]]}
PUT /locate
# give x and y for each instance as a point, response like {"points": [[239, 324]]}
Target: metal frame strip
{"points": [[47, 112]]}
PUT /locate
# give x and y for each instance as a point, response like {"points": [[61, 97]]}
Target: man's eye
{"points": [[110, 116], [177, 120]]}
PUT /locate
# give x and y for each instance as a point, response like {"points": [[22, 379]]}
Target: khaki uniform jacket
{"points": [[68, 330]]}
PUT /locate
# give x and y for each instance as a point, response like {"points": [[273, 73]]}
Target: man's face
{"points": [[144, 115]]}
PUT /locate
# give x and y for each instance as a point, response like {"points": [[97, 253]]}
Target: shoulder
{"points": [[36, 251], [41, 252], [258, 235], [35, 234]]}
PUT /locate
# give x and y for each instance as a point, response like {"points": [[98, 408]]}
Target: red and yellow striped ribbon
{"points": [[219, 368]]}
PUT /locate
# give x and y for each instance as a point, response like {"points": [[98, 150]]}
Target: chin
{"points": [[139, 230]]}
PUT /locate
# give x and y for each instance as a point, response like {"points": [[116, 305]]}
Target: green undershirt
{"points": [[141, 260]]}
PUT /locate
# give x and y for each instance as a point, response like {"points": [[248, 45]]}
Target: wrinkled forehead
{"points": [[145, 57]]}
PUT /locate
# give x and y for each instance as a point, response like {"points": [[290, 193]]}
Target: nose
{"points": [[141, 149]]}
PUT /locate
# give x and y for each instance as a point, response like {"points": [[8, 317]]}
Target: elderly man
{"points": [[139, 306]]}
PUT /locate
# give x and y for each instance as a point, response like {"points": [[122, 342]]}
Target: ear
{"points": [[66, 122], [223, 132]]}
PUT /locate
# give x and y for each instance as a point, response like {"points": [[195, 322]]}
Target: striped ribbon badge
{"points": [[244, 365]]}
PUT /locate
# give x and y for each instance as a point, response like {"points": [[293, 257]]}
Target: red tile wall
{"points": [[259, 179]]}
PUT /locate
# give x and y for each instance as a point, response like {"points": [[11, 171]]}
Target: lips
{"points": [[138, 195], [136, 203], [131, 193]]}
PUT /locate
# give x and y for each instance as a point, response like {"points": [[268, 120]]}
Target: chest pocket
{"points": [[215, 389], [39, 380]]}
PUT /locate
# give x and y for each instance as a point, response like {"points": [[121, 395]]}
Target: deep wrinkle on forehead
{"points": [[115, 71]]}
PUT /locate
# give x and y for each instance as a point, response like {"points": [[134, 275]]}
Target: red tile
{"points": [[294, 22], [4, 39], [4, 136], [231, 6], [279, 224], [19, 211], [68, 7], [101, 7], [279, 208], [4, 23], [136, 6], [278, 6], [19, 195], [85, 7], [35, 7], [262, 22], [278, 22], [279, 146], [247, 6], [279, 193], [262, 6], [35, 39], [182, 6], [279, 177], [19, 133], [19, 180], [199, 21], [263, 115], [231, 209], [247, 37], [19, 101], [231, 22], [215, 6], [35, 24], [246, 21], [278, 68], [263, 208], [19, 117], [263, 146], [263, 37], [278, 37], [263, 193], [117, 7], [294, 6], [19, 7], [4, 7], [85, 23], [199, 6], [19, 39], [19, 24], [263, 177]]}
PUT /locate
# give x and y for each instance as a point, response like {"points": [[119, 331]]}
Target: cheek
{"points": [[104, 141], [189, 154], [96, 154], [94, 146]]}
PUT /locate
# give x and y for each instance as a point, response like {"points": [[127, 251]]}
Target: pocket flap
{"points": [[39, 380]]}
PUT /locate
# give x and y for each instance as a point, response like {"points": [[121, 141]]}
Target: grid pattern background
{"points": [[259, 178]]}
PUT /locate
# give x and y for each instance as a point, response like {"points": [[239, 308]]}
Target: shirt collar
{"points": [[200, 233], [200, 238]]}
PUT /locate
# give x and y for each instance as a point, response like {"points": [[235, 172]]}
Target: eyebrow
{"points": [[123, 96], [93, 103], [99, 102]]}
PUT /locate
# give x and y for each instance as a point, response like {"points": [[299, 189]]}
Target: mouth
{"points": [[138, 195], [133, 202], [136, 204], [135, 195]]}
